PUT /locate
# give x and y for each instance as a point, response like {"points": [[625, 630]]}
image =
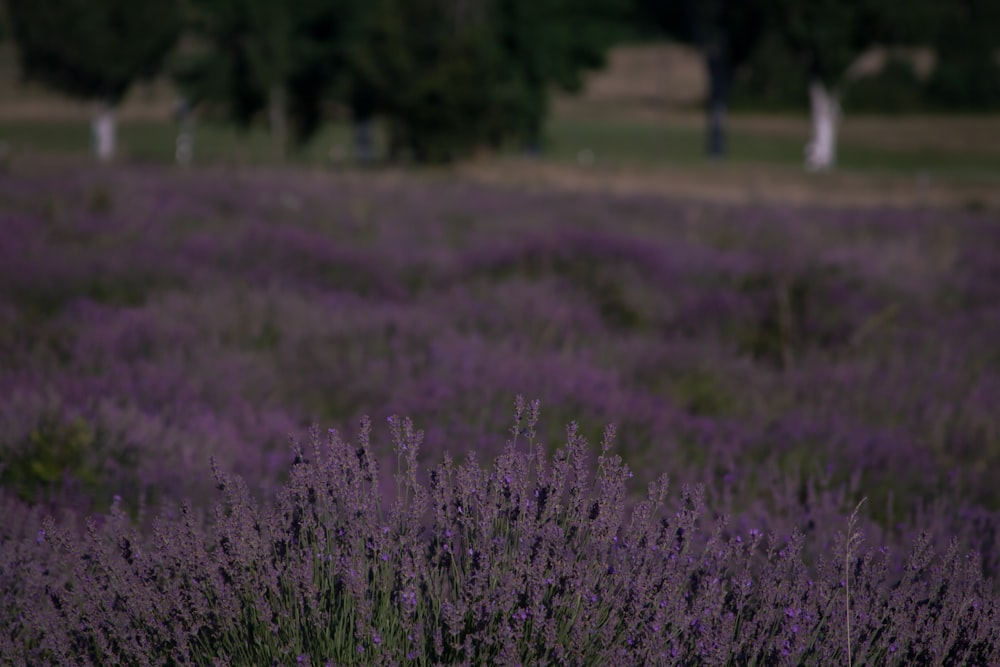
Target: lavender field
{"points": [[778, 363]]}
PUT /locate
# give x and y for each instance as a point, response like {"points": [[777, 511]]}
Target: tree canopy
{"points": [[93, 49], [797, 41], [446, 77], [967, 42], [251, 56]]}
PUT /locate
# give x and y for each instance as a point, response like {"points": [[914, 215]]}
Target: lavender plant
{"points": [[534, 559], [786, 360]]}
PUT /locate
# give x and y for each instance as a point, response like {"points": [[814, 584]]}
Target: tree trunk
{"points": [[184, 152], [716, 54], [396, 143], [717, 131], [364, 142], [277, 108], [825, 106], [535, 122], [103, 132]]}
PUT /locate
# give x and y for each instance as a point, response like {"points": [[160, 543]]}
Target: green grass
{"points": [[651, 144], [613, 142], [155, 142]]}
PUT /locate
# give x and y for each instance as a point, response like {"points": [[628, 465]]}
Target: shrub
{"points": [[534, 560], [51, 451]]}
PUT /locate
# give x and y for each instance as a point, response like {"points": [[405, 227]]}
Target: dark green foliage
{"points": [[428, 72], [93, 49], [896, 89], [826, 35], [547, 44], [966, 84], [450, 79], [324, 33], [225, 74], [967, 75], [70, 457], [823, 38], [445, 78], [246, 56], [963, 35], [770, 81], [795, 41], [55, 451]]}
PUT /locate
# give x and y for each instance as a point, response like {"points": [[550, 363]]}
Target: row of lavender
{"points": [[530, 561], [790, 360]]}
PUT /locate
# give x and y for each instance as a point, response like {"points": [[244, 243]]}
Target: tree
{"points": [[445, 76], [94, 50], [725, 32], [819, 39], [424, 65], [827, 36], [549, 44], [267, 57], [450, 77]]}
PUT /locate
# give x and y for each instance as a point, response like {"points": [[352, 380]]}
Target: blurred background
{"points": [[654, 93]]}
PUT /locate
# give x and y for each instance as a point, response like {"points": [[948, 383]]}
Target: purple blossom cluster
{"points": [[785, 361]]}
